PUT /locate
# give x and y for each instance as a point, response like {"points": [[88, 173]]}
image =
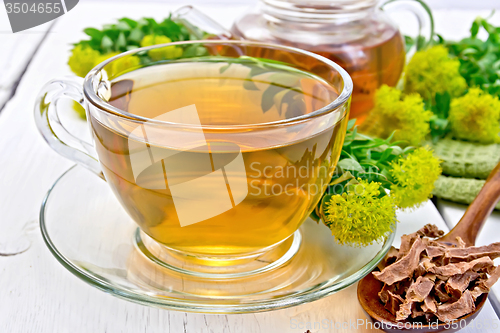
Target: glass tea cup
{"points": [[218, 150]]}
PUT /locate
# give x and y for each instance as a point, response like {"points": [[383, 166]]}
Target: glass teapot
{"points": [[356, 34]]}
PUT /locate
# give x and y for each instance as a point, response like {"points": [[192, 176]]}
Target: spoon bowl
{"points": [[467, 229], [368, 298]]}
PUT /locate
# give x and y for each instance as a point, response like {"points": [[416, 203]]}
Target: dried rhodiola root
{"points": [[428, 279]]}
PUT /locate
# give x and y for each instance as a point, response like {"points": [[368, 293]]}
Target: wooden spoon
{"points": [[468, 228]]}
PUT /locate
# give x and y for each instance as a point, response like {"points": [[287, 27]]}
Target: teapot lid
{"points": [[322, 6]]}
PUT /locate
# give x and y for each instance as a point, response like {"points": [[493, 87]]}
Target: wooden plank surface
{"points": [[16, 52], [37, 294]]}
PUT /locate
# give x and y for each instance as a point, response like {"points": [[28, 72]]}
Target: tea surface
{"points": [[250, 188]]}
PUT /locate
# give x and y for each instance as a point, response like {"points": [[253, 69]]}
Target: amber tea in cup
{"points": [[218, 154]]}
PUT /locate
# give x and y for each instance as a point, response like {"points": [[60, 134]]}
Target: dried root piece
{"points": [[462, 267], [451, 311], [427, 279], [417, 293], [456, 285], [404, 267]]}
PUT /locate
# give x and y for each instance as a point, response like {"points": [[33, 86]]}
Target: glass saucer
{"points": [[90, 234]]}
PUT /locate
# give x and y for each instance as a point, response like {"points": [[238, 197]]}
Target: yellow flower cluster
{"points": [[360, 217], [433, 71], [414, 178], [162, 53], [475, 117], [392, 112], [83, 58], [121, 65]]}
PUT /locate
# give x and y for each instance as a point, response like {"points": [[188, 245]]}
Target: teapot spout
{"points": [[200, 25]]}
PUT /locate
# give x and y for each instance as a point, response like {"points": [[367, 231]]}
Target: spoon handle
{"points": [[478, 212]]}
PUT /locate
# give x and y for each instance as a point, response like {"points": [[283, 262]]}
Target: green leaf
{"points": [[131, 23], [387, 173], [132, 47], [121, 42], [93, 33], [315, 216], [267, 101], [295, 105], [255, 70], [361, 136], [443, 101], [350, 165], [248, 84], [487, 26], [408, 149], [478, 57], [396, 150], [345, 176], [106, 44], [474, 29], [136, 35], [409, 43], [123, 26], [351, 123], [385, 155], [326, 198], [224, 68], [279, 100], [151, 22], [470, 51], [284, 79]]}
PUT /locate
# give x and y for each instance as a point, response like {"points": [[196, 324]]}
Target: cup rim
{"points": [[333, 106]]}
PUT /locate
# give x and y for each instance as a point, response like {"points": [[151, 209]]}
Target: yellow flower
{"points": [[360, 216], [167, 52], [79, 110], [106, 56], [406, 116], [414, 178], [432, 71], [121, 65], [474, 117], [83, 58]]}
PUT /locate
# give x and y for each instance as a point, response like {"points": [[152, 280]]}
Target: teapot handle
{"points": [[424, 17], [200, 25]]}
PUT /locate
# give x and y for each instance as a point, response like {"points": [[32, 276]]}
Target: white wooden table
{"points": [[36, 293]]}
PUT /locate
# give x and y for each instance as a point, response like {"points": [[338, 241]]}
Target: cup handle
{"points": [[424, 17], [50, 126]]}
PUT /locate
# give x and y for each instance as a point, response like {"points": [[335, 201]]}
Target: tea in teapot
{"points": [[356, 34]]}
